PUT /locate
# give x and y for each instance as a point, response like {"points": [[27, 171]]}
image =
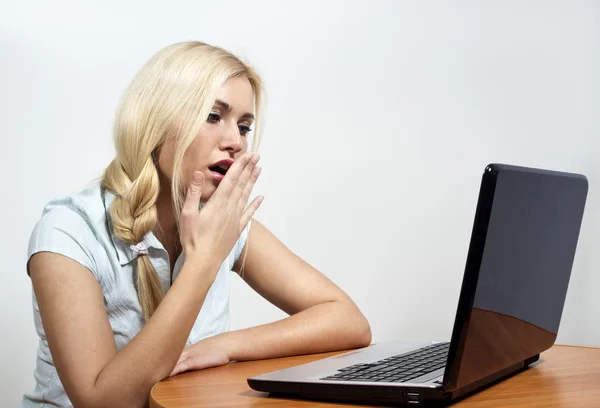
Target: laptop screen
{"points": [[520, 258]]}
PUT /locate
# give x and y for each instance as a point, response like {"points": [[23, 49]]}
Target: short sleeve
{"points": [[239, 245], [63, 231]]}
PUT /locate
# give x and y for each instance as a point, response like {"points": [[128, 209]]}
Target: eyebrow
{"points": [[227, 107]]}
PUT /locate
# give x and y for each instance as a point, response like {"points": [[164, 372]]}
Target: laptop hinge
{"points": [[490, 379]]}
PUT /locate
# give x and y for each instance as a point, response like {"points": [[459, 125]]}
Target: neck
{"points": [[166, 227]]}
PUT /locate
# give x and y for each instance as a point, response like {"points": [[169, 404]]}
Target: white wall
{"points": [[381, 117]]}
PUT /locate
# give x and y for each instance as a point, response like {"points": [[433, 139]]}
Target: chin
{"points": [[207, 193]]}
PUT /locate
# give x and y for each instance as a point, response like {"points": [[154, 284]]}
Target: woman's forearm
{"points": [[150, 356], [325, 327]]}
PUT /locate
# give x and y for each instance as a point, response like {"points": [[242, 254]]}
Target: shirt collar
{"points": [[124, 251]]}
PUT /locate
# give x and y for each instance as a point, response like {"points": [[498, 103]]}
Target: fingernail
{"points": [[198, 177]]}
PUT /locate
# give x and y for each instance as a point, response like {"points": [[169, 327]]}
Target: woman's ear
{"points": [[155, 153]]}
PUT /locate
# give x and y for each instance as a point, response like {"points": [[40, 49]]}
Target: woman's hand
{"points": [[210, 352], [212, 231]]}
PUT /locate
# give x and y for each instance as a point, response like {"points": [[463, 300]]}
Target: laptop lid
{"points": [[517, 272]]}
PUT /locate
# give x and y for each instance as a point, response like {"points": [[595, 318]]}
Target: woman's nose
{"points": [[231, 139]]}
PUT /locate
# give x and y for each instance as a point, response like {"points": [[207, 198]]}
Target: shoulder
{"points": [[70, 225], [88, 204]]}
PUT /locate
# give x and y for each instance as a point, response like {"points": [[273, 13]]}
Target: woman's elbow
{"points": [[359, 334], [363, 335]]}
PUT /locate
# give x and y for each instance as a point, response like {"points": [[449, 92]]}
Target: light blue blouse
{"points": [[79, 227]]}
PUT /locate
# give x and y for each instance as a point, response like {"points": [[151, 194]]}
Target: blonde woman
{"points": [[131, 276]]}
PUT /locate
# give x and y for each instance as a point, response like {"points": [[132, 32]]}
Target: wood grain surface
{"points": [[564, 377]]}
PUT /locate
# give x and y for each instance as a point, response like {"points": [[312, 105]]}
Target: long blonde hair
{"points": [[172, 94]]}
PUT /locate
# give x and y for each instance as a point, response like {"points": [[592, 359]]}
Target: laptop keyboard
{"points": [[399, 368]]}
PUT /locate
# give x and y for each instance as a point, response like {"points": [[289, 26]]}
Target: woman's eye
{"points": [[244, 130], [214, 117]]}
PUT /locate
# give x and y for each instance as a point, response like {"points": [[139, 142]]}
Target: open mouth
{"points": [[218, 169], [221, 167]]}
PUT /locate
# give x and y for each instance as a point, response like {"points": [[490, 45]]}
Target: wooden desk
{"points": [[563, 377]]}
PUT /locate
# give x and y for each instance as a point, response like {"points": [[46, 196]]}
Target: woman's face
{"points": [[221, 140]]}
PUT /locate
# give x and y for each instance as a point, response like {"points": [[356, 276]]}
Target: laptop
{"points": [[518, 266]]}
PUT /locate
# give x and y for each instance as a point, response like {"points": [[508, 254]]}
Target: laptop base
{"points": [[396, 395], [356, 394]]}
